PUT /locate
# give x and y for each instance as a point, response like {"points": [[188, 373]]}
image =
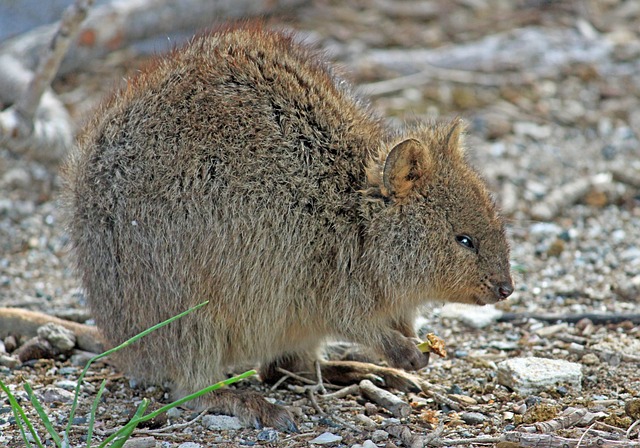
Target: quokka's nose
{"points": [[504, 290]]}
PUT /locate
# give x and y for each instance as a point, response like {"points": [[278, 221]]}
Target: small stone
{"points": [[221, 422], [80, 358], [365, 421], [520, 409], [189, 445], [632, 408], [379, 435], [473, 418], [10, 343], [533, 130], [370, 409], [174, 413], [556, 248], [267, 435], [326, 438], [52, 394], [59, 337], [590, 359], [9, 361], [16, 178], [66, 384], [530, 375], [369, 444]]}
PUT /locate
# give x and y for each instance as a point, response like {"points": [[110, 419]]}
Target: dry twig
{"points": [[386, 399]]}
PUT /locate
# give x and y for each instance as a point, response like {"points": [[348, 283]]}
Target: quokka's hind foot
{"points": [[250, 407]]}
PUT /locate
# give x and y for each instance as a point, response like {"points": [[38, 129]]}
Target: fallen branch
{"points": [[567, 195], [398, 407], [36, 122], [17, 321]]}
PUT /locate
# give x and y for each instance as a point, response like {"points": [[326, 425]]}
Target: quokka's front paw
{"points": [[402, 352]]}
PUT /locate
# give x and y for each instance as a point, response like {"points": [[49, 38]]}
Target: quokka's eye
{"points": [[465, 241]]}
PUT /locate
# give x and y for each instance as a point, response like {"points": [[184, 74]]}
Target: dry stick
{"points": [[141, 442], [569, 418], [386, 399], [304, 380], [405, 435], [469, 441], [443, 74], [631, 428], [354, 389], [295, 376], [434, 437], [18, 128], [160, 431], [553, 441], [319, 410], [567, 195], [321, 387], [279, 382], [584, 434], [48, 66]]}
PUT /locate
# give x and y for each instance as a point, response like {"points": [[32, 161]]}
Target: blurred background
{"points": [[551, 92]]}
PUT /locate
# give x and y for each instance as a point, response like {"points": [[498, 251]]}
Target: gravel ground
{"points": [[552, 92]]}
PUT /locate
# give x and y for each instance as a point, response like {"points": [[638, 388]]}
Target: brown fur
{"points": [[242, 171]]}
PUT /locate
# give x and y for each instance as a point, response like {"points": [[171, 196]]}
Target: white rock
{"points": [[532, 375], [325, 438], [221, 422], [472, 315], [189, 445], [61, 338]]}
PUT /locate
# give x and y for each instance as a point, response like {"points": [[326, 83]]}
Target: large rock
{"points": [[532, 375]]}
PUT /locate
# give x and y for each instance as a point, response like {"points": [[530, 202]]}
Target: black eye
{"points": [[465, 241]]}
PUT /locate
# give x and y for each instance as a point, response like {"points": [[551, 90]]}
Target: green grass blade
{"points": [[92, 415], [126, 343], [43, 415], [123, 434], [20, 417]]}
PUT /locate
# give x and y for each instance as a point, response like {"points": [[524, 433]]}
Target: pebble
{"points": [[590, 359], [189, 445], [52, 394], [66, 384], [267, 435], [379, 435], [473, 418], [530, 375], [9, 361], [80, 358], [59, 337], [326, 438], [174, 413], [221, 422], [365, 421], [632, 408], [366, 444]]}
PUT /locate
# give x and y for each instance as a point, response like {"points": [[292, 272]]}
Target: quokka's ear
{"points": [[406, 163], [455, 136]]}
